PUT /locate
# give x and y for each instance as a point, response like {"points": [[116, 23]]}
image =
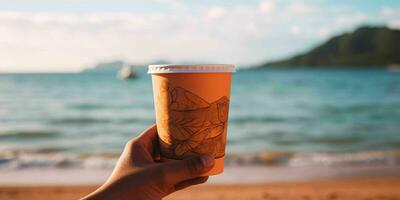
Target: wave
{"points": [[92, 120], [78, 120], [296, 159], [26, 134], [49, 159], [136, 120], [264, 119], [336, 140], [311, 140], [87, 106], [285, 138], [358, 108], [58, 159], [99, 106], [260, 136], [388, 157]]}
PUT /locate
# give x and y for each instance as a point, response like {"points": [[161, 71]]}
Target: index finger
{"points": [[149, 134], [149, 138]]}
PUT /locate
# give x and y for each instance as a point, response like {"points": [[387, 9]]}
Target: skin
{"points": [[139, 174]]}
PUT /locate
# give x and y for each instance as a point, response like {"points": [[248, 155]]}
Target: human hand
{"points": [[138, 176]]}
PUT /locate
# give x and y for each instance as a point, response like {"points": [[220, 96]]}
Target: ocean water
{"points": [[277, 116]]}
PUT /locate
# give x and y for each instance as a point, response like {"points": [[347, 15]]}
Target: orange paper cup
{"points": [[191, 104]]}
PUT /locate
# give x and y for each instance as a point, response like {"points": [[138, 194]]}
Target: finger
{"points": [[178, 171], [149, 139], [142, 149], [190, 182], [148, 135]]}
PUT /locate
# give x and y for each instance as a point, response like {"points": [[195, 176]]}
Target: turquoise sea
{"points": [[278, 116]]}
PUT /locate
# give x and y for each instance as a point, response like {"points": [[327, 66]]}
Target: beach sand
{"points": [[240, 182], [360, 188]]}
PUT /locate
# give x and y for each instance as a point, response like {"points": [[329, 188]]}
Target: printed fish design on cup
{"points": [[196, 126]]}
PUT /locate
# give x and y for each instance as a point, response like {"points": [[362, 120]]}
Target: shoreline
{"points": [[231, 175], [50, 158]]}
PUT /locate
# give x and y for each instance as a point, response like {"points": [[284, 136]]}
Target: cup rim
{"points": [[190, 68]]}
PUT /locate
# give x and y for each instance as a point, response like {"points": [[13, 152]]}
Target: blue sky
{"points": [[69, 35], [369, 6]]}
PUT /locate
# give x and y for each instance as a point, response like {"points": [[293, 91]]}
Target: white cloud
{"points": [[392, 16], [390, 11], [295, 29], [267, 6], [351, 19], [62, 41], [302, 7], [216, 12], [174, 4]]}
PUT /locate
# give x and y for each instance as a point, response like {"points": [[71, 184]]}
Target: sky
{"points": [[69, 35]]}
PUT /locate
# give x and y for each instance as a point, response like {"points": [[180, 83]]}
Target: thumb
{"points": [[190, 168]]}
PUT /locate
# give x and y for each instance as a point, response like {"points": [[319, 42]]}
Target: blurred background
{"points": [[317, 85]]}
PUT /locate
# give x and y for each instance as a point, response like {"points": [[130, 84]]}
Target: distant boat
{"points": [[394, 68], [126, 72]]}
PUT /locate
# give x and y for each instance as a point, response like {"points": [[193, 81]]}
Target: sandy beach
{"points": [[360, 188], [240, 182]]}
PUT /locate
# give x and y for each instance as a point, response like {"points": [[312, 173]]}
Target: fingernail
{"points": [[207, 160]]}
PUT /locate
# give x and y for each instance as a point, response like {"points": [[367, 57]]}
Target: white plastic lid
{"points": [[190, 68]]}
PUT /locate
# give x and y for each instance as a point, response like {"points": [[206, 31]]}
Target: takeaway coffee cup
{"points": [[191, 105]]}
